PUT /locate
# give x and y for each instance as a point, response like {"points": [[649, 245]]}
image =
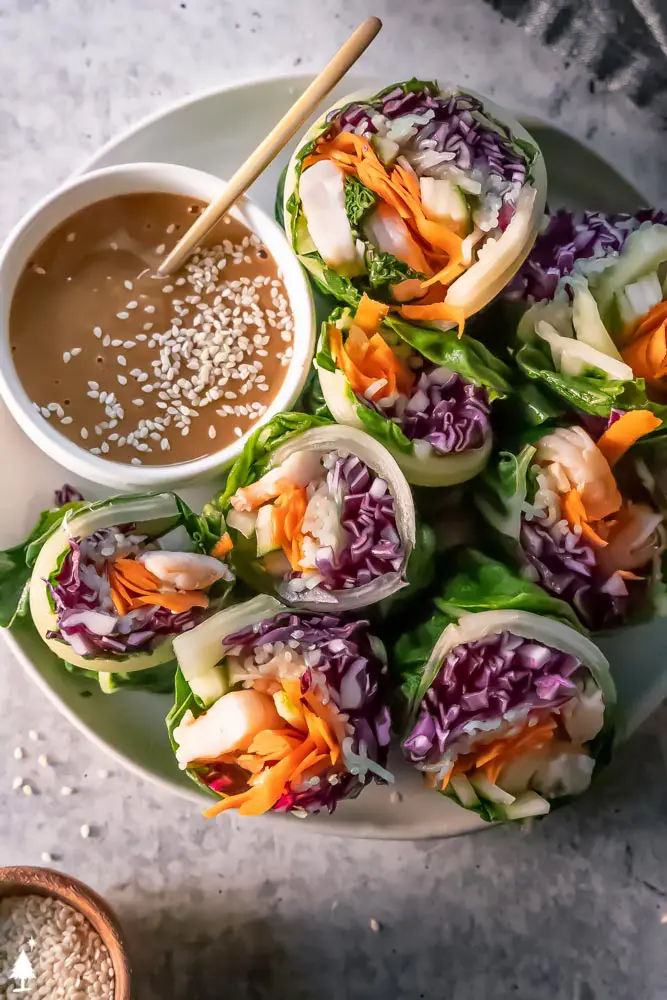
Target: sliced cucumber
{"points": [[266, 538], [465, 792], [444, 202], [526, 805], [487, 790]]}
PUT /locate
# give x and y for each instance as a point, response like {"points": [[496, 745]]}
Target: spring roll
{"points": [[279, 710], [508, 706], [595, 331], [319, 514], [115, 581], [425, 395], [424, 197], [577, 514]]}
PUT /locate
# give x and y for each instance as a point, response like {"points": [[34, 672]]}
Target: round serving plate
{"points": [[214, 132]]}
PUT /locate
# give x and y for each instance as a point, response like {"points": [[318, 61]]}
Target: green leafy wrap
{"points": [[319, 514], [423, 393], [507, 705], [109, 584], [372, 201]]}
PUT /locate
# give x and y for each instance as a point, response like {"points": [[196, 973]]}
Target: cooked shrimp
{"points": [[230, 724], [570, 454], [183, 570], [633, 540], [300, 469]]}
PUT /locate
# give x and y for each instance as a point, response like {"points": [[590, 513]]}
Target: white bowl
{"points": [[127, 179]]}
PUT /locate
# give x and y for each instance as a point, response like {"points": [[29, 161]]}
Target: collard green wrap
{"points": [[507, 705]]}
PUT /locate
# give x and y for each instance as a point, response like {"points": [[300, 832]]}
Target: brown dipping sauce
{"points": [[146, 369]]}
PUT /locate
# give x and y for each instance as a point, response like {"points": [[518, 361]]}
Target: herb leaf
{"points": [[358, 200]]}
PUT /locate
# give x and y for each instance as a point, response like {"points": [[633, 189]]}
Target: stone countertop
{"points": [[576, 909]]}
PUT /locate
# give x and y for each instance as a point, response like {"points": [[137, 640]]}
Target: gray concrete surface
{"points": [[576, 909]]}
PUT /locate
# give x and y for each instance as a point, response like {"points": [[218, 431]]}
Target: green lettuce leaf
{"points": [[184, 700], [594, 392], [378, 426], [464, 355], [484, 584], [358, 200], [254, 459], [156, 680], [411, 86], [16, 564], [330, 283], [501, 492], [384, 269]]}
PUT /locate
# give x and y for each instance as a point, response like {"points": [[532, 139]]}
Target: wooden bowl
{"points": [[24, 881]]}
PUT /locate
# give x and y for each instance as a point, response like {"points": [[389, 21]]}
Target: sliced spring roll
{"points": [[424, 197], [426, 395], [280, 710], [578, 519], [319, 514], [508, 706], [595, 333], [115, 581]]}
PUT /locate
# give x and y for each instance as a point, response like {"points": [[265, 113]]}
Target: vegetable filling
{"points": [[585, 542], [305, 725], [506, 716], [117, 592], [321, 520]]}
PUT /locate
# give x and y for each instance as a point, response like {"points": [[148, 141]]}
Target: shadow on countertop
{"points": [[570, 910]]}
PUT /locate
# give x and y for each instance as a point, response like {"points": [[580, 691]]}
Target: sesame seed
{"points": [[121, 359], [76, 351], [131, 305], [128, 284], [67, 357], [46, 857], [84, 433], [103, 773], [238, 432], [106, 341], [164, 444], [122, 315], [19, 753], [70, 237], [27, 789], [138, 402], [84, 830], [66, 420], [129, 344], [168, 289], [136, 461], [116, 343], [374, 925], [149, 309], [43, 760], [212, 431], [121, 380], [170, 228], [97, 330], [66, 790], [38, 270], [16, 783], [146, 326], [114, 246]]}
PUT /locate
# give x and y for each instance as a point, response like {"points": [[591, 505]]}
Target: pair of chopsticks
{"points": [[277, 138]]}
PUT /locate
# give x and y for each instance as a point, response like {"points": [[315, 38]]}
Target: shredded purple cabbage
{"points": [[353, 665], [566, 566], [480, 681], [457, 127], [86, 618], [66, 494], [374, 545], [444, 410], [568, 238]]}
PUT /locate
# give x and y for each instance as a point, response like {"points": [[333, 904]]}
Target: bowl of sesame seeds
{"points": [[135, 380], [59, 939]]}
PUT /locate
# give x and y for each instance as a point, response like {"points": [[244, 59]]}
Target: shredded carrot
{"points": [[370, 314], [314, 762], [398, 189], [274, 744], [625, 431], [175, 600], [575, 512], [223, 546], [365, 361], [435, 312], [645, 347]]}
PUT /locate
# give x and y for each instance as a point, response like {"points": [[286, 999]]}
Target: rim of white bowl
{"points": [[117, 179]]}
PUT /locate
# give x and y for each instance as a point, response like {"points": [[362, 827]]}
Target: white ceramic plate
{"points": [[214, 132]]}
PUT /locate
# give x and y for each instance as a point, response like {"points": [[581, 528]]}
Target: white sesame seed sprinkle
{"points": [[122, 315], [76, 351], [67, 357], [84, 830], [70, 237], [66, 790], [19, 753], [16, 783], [27, 789], [128, 284], [46, 857], [97, 330]]}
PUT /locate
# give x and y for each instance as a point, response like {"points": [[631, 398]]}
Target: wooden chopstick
{"points": [[278, 137]]}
